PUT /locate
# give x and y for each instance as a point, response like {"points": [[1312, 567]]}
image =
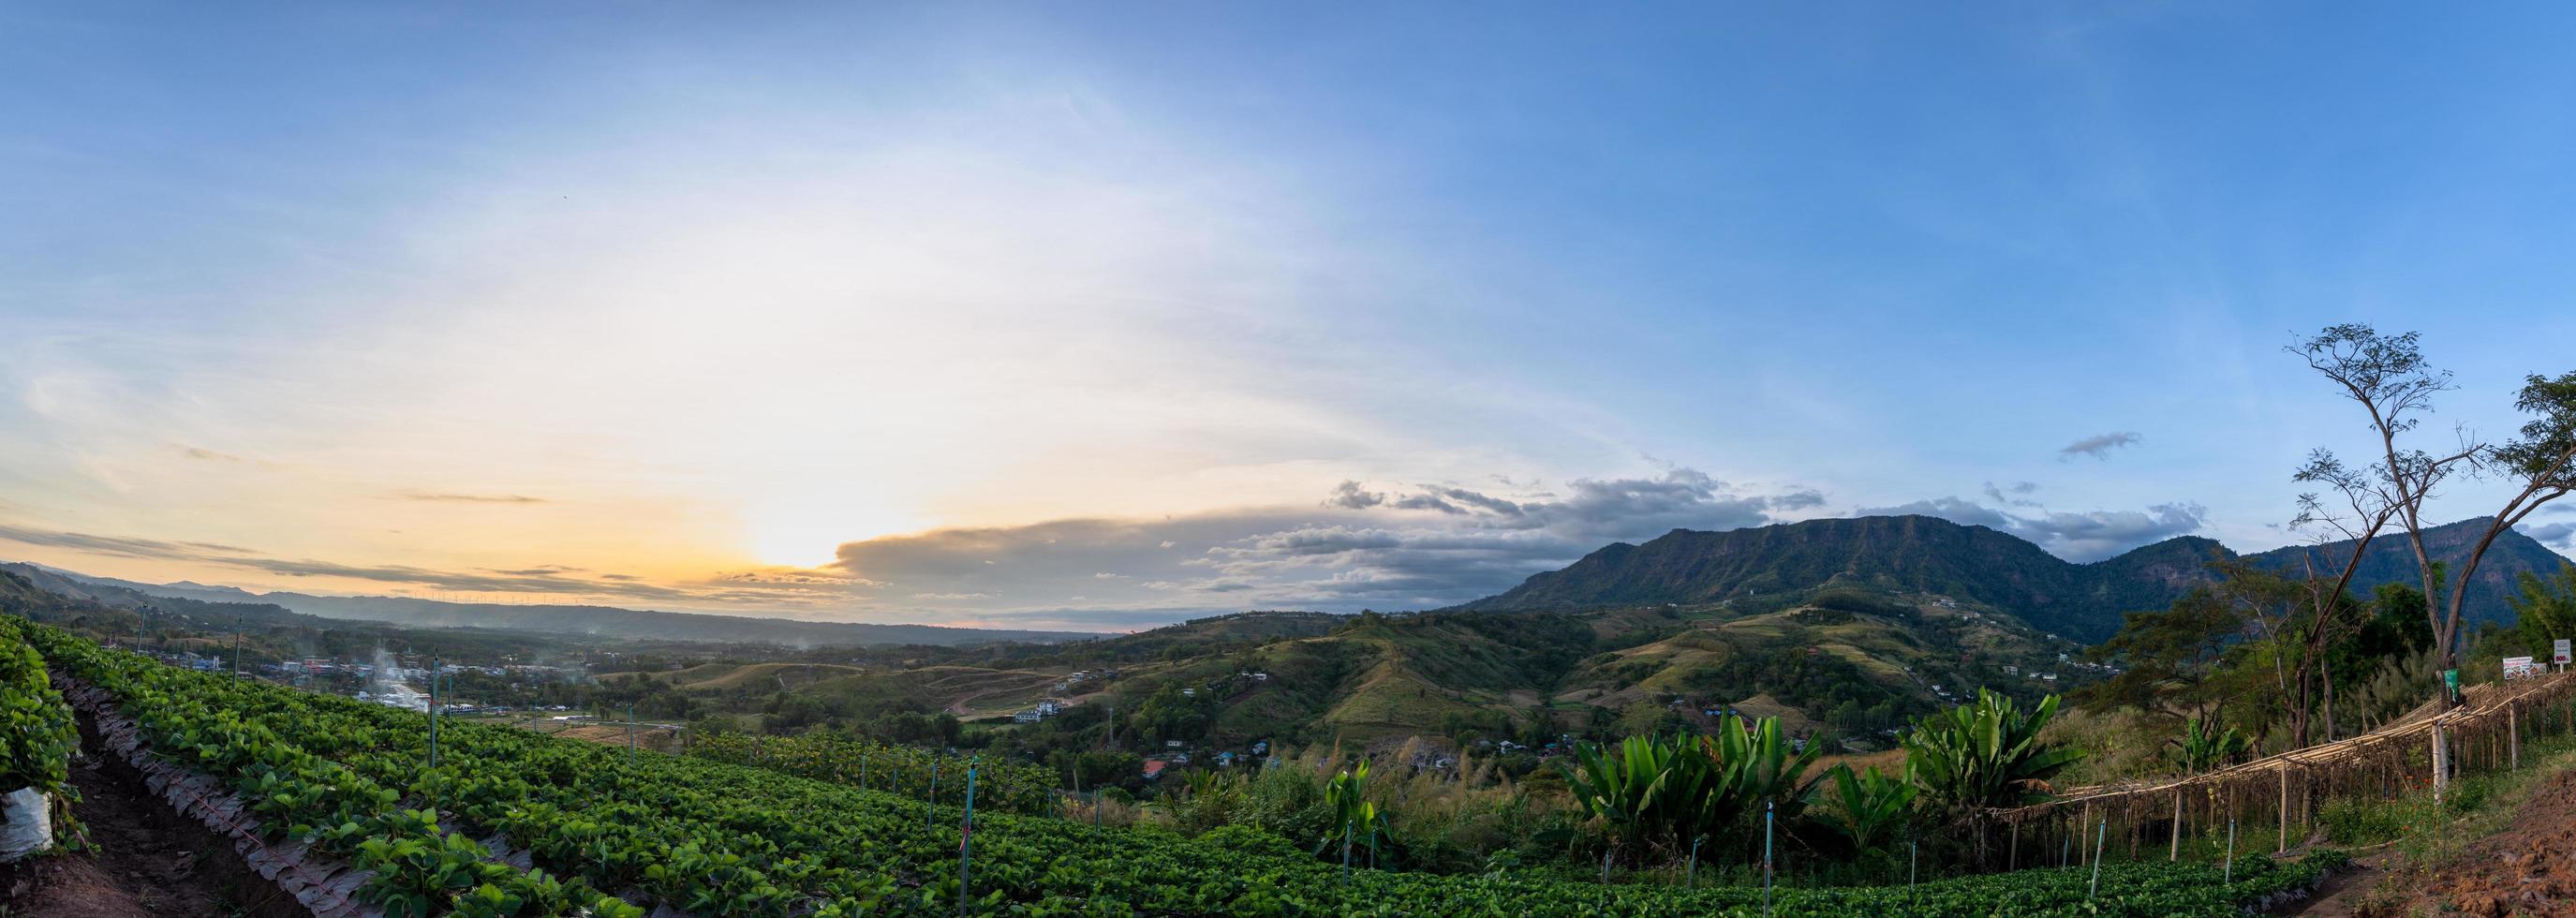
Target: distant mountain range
{"points": [[599, 621], [1932, 555]]}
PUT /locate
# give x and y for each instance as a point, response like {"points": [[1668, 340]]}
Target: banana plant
{"points": [[2203, 746], [1986, 755], [1760, 766], [1975, 758], [1867, 808], [1646, 793]]}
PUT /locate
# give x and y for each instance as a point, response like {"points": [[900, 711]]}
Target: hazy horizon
{"points": [[1027, 316]]}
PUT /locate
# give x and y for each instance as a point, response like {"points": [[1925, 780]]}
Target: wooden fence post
{"points": [[2175, 854], [2285, 811], [2441, 778], [2513, 729], [2088, 820]]}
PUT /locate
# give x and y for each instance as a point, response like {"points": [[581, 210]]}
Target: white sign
{"points": [[2560, 657], [2518, 667]]}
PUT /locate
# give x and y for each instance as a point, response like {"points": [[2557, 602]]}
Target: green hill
{"points": [[1923, 554], [1851, 660]]}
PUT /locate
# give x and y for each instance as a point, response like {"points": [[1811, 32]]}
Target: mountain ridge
{"points": [[1933, 555]]}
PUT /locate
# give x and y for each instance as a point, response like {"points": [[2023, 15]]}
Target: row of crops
{"points": [[901, 770], [714, 838], [37, 737], [260, 740]]}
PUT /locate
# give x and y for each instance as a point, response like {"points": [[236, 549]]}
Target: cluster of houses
{"points": [[192, 660], [1193, 692], [1177, 755], [1081, 676]]}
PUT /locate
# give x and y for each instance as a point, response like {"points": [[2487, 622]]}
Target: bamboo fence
{"points": [[2283, 791]]}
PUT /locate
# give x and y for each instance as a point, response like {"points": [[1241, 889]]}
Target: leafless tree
{"points": [[2388, 376]]}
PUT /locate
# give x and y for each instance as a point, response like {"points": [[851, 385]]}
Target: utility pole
{"points": [[433, 712]]}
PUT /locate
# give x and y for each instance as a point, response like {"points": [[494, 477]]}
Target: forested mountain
{"points": [[2392, 560], [1930, 555]]}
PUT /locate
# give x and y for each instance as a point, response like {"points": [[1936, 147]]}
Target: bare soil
{"points": [[142, 859], [2529, 869]]}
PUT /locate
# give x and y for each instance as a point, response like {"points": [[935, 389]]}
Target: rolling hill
{"points": [[1852, 660], [1920, 554]]}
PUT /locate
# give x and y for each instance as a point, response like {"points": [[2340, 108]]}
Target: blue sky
{"points": [[876, 312]]}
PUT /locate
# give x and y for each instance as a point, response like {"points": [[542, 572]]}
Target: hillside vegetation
{"points": [[1844, 661], [1749, 567]]}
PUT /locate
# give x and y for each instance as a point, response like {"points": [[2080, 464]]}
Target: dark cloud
{"points": [[1629, 509], [2103, 533], [1798, 500], [472, 582], [1349, 496], [2087, 536], [2012, 495], [2562, 535], [207, 455], [440, 497], [117, 546], [1955, 509], [1428, 501], [1493, 505], [1408, 547], [2098, 446], [795, 577]]}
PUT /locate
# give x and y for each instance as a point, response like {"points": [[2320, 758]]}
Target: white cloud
{"points": [[1401, 547], [2086, 536]]}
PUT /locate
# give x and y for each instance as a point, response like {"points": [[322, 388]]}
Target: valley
{"points": [[1836, 645]]}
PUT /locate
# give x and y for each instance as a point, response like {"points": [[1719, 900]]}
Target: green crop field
{"points": [[714, 838]]}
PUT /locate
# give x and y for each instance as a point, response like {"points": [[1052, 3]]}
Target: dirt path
{"points": [[959, 708], [2342, 894], [2528, 868], [143, 859]]}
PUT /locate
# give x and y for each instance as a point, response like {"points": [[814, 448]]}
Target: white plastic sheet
{"points": [[30, 826]]}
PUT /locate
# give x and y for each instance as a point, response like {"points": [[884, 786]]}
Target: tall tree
{"points": [[2539, 465], [2546, 608], [2277, 609], [2167, 659], [2389, 378]]}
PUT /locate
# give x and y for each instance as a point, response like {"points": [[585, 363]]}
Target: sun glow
{"points": [[802, 530]]}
